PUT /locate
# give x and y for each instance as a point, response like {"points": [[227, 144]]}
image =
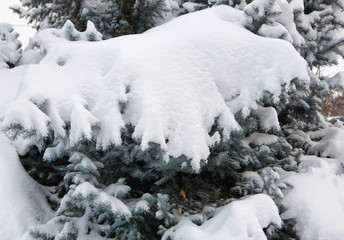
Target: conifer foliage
{"points": [[313, 27], [143, 137], [112, 18], [10, 46]]}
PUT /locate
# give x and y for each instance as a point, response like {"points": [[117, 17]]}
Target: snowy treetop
{"points": [[170, 83]]}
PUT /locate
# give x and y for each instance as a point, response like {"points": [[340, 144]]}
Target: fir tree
{"points": [[95, 201], [313, 27], [10, 46], [112, 18]]}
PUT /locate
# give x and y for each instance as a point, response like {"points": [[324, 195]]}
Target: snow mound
{"points": [[316, 199], [22, 201], [170, 83], [243, 219]]}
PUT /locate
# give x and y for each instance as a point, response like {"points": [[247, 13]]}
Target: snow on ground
{"points": [[174, 81], [22, 202], [239, 220]]}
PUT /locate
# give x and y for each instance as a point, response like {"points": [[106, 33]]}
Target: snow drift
{"points": [[170, 83]]}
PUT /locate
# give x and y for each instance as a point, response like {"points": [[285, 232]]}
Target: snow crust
{"points": [[243, 219], [22, 200], [173, 80]]}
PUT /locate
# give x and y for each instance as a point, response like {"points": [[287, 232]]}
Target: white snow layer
{"points": [[336, 81], [331, 142], [174, 81], [316, 200], [22, 202], [239, 220], [9, 80]]}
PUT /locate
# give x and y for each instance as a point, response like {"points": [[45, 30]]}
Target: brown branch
{"points": [[157, 4], [336, 4], [337, 44]]}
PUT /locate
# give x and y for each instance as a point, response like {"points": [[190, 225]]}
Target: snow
{"points": [[331, 143], [174, 81], [100, 197], [286, 18], [268, 117], [316, 200], [259, 139], [243, 219], [10, 78], [22, 201], [85, 189], [190, 6], [261, 8], [118, 189], [297, 5], [316, 197], [267, 181], [141, 206], [117, 206], [275, 30], [336, 81], [10, 51]]}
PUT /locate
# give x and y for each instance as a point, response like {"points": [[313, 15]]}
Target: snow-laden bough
{"points": [[171, 83]]}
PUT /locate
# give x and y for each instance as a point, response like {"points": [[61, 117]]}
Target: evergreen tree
{"points": [[95, 201], [112, 18], [10, 46], [320, 24], [313, 27]]}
